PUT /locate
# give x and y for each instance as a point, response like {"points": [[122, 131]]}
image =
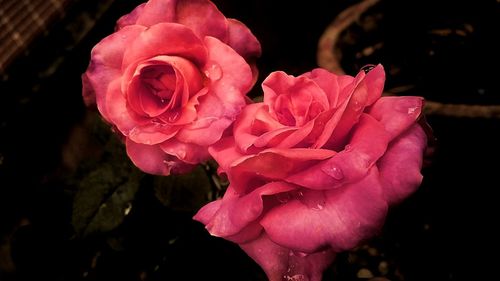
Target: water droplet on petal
{"points": [[412, 110], [213, 72], [319, 207], [296, 277], [297, 254], [174, 116], [181, 154], [348, 147], [314, 200], [357, 106], [334, 171]]}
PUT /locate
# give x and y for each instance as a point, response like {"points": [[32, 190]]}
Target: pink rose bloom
{"points": [[313, 169], [171, 79]]}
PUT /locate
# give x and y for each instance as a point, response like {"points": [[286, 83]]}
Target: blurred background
{"points": [[72, 207]]}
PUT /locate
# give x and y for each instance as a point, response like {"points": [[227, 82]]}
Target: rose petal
{"points": [[88, 93], [206, 130], [226, 96], [106, 63], [235, 71], [186, 152], [276, 138], [368, 143], [130, 18], [397, 114], [152, 133], [274, 163], [203, 18], [169, 39], [301, 92], [333, 85], [143, 100], [242, 40], [237, 212], [347, 216], [225, 152], [367, 90], [149, 158], [400, 166], [280, 263], [245, 132], [117, 110], [157, 11]]}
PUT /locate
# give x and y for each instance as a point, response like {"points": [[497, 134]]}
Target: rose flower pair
{"points": [[312, 168]]}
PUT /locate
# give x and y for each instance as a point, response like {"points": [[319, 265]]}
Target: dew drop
{"points": [[357, 106], [181, 153], [296, 277], [318, 207], [174, 116], [314, 200], [412, 110], [214, 72], [297, 254], [334, 171]]}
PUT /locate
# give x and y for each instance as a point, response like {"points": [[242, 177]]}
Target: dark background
{"points": [[48, 146]]}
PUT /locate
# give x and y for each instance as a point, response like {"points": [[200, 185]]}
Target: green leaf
{"points": [[187, 192], [106, 188]]}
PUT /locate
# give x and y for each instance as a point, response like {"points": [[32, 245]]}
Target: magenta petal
{"points": [[225, 152], [347, 216], [202, 17], [204, 136], [397, 114], [152, 133], [149, 158], [280, 263], [243, 41], [117, 110], [333, 85], [169, 39], [186, 152], [88, 93], [130, 18], [237, 212], [367, 90], [400, 166], [367, 145], [273, 163], [142, 100], [235, 73], [276, 138], [157, 11], [301, 92], [106, 64], [243, 126], [207, 212]]}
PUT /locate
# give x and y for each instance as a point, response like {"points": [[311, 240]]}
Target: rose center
{"points": [[161, 81]]}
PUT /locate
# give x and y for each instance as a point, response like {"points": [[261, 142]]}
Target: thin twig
{"points": [[329, 55]]}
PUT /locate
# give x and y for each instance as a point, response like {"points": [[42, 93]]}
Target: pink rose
{"points": [[171, 79], [313, 169]]}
